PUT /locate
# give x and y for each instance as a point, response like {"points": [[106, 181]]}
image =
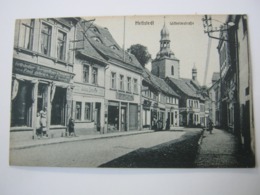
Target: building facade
{"points": [[215, 100], [88, 103], [122, 81], [160, 103], [42, 74]]}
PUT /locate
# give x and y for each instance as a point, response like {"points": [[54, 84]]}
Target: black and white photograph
{"points": [[158, 91]]}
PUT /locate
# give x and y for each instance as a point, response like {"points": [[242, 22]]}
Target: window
{"points": [[78, 111], [172, 70], [129, 84], [135, 86], [85, 73], [121, 82], [46, 39], [61, 45], [113, 80], [94, 75], [87, 114], [27, 34], [97, 39]]}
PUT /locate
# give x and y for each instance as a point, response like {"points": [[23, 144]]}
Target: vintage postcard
{"points": [[169, 91]]}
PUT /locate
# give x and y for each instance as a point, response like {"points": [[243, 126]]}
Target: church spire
{"points": [[165, 49]]}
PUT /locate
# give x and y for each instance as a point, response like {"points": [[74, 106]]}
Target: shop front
{"points": [[122, 116], [87, 108], [39, 89]]}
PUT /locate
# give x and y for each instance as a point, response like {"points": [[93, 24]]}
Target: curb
{"points": [[102, 136]]}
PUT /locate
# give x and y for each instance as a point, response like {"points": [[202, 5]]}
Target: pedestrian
{"points": [[167, 124], [210, 126], [44, 121], [38, 126], [71, 127]]}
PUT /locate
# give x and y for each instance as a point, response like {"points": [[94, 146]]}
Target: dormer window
{"points": [[94, 29], [97, 39], [114, 47]]}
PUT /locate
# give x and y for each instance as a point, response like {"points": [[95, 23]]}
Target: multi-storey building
{"points": [[235, 76], [89, 83], [122, 77], [160, 103], [42, 73]]}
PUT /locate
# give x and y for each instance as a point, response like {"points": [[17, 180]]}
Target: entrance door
{"points": [[97, 116], [123, 119]]}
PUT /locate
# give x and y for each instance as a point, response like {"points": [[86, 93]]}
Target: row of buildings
{"points": [[231, 91], [74, 68]]}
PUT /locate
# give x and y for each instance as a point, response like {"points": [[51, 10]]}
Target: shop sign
{"points": [[147, 104], [89, 90], [124, 96], [35, 70], [155, 105]]}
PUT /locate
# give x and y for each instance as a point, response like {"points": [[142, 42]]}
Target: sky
{"points": [[189, 43]]}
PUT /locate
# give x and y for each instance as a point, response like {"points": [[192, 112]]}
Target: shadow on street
{"points": [[180, 153]]}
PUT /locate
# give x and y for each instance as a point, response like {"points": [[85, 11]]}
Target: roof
{"points": [[158, 83], [85, 48], [186, 86], [101, 39]]}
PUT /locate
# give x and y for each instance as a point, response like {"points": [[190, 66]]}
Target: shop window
{"points": [[58, 106], [42, 96], [135, 86], [113, 80], [121, 86], [61, 45], [46, 31], [94, 76], [129, 84], [26, 36], [78, 111], [85, 73], [21, 114], [88, 111], [113, 118]]}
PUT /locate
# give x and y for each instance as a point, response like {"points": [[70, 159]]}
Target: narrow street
{"points": [[158, 149], [221, 150]]}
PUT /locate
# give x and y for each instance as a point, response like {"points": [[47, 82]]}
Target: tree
{"points": [[141, 53]]}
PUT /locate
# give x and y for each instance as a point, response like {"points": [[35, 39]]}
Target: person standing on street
{"points": [[38, 126], [71, 127], [44, 121]]}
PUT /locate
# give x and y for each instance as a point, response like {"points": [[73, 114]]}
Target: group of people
{"points": [[41, 124]]}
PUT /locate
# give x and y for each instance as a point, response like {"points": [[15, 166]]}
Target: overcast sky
{"points": [[188, 40]]}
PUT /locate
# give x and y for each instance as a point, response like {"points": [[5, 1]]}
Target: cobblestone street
{"points": [[221, 150]]}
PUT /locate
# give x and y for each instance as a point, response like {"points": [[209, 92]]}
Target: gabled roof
{"points": [[186, 86], [108, 47], [158, 83], [84, 47]]}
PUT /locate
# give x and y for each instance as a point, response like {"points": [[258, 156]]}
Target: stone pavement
{"points": [[20, 144], [219, 150]]}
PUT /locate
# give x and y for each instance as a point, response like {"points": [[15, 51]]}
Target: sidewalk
{"points": [[219, 150], [47, 141]]}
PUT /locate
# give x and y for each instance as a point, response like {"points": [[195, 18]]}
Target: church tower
{"points": [[165, 64]]}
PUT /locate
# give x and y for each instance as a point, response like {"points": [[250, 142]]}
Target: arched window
{"points": [[172, 70]]}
